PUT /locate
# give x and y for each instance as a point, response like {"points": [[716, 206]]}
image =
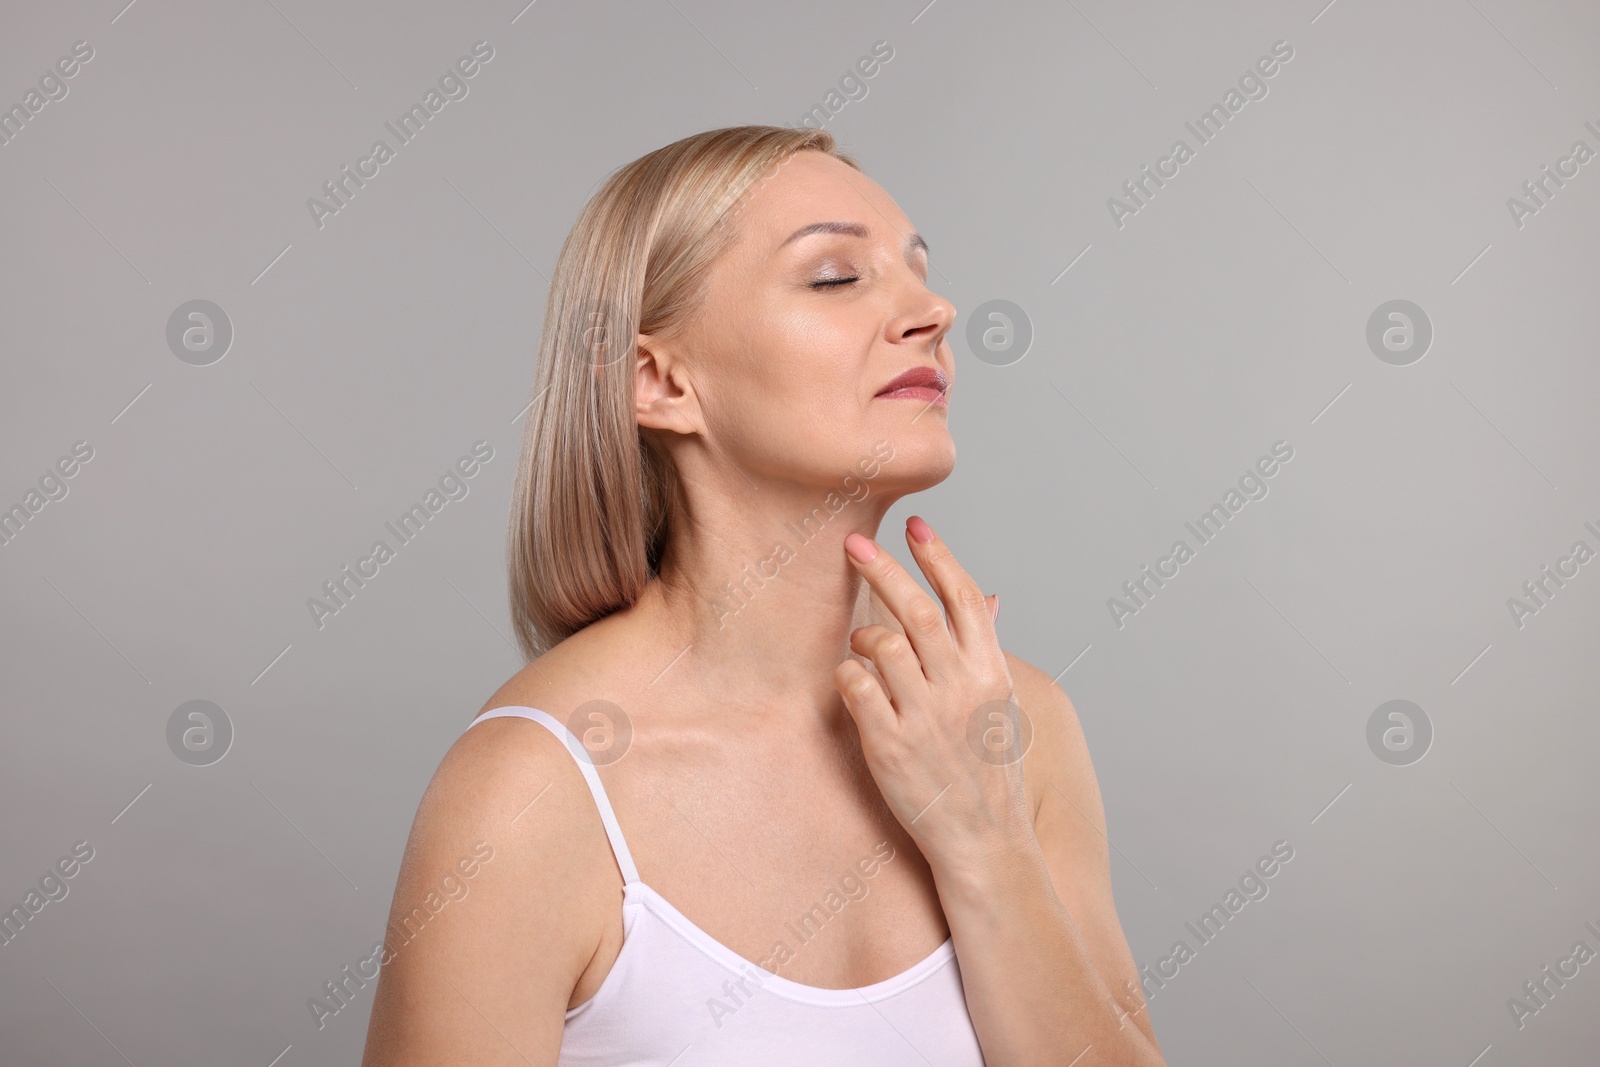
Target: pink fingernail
{"points": [[994, 614], [919, 529], [863, 550]]}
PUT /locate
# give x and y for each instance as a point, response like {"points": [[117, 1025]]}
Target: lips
{"points": [[920, 383]]}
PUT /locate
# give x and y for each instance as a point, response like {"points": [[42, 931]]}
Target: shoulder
{"points": [[506, 850], [511, 784], [510, 780], [1030, 680], [1058, 767], [1049, 710], [513, 775]]}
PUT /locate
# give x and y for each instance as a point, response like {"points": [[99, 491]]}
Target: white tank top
{"points": [[677, 996]]}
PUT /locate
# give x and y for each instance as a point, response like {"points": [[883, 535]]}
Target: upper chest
{"points": [[783, 852]]}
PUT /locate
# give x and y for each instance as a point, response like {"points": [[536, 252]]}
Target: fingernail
{"points": [[919, 529], [994, 608], [859, 547]]}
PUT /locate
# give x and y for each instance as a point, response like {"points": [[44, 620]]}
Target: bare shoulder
{"points": [[501, 902], [1057, 763]]}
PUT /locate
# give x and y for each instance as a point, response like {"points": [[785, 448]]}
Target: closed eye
{"points": [[828, 282]]}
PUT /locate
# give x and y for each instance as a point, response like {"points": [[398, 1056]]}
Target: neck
{"points": [[755, 599]]}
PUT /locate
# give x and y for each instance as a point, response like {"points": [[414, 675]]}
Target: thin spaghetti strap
{"points": [[619, 846]]}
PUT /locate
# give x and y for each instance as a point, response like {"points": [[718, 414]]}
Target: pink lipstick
{"points": [[927, 384]]}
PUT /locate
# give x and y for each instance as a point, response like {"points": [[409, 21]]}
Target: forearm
{"points": [[1034, 993]]}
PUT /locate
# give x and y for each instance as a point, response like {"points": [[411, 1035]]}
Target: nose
{"points": [[928, 318]]}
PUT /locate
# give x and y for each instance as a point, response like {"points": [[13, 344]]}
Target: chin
{"points": [[920, 460]]}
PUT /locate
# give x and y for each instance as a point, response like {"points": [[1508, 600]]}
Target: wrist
{"points": [[989, 863]]}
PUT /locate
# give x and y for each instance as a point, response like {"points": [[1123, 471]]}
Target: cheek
{"points": [[796, 394], [809, 357], [800, 370]]}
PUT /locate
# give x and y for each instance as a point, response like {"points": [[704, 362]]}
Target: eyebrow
{"points": [[853, 229]]}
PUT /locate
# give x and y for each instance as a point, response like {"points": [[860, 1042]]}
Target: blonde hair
{"points": [[592, 500]]}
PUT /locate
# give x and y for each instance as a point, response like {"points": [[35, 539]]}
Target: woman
{"points": [[793, 821]]}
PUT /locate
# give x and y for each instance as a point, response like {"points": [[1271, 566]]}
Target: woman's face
{"points": [[801, 331]]}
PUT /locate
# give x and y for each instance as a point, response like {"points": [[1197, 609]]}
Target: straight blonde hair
{"points": [[593, 497]]}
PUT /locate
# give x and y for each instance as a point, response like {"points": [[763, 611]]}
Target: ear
{"points": [[664, 398]]}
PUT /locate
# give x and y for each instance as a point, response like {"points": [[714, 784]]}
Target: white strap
{"points": [[608, 818]]}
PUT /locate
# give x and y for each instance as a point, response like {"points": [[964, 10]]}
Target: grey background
{"points": [[1228, 314]]}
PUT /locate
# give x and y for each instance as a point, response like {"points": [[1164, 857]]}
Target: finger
{"points": [[896, 661], [993, 600], [918, 613], [865, 700], [971, 620]]}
